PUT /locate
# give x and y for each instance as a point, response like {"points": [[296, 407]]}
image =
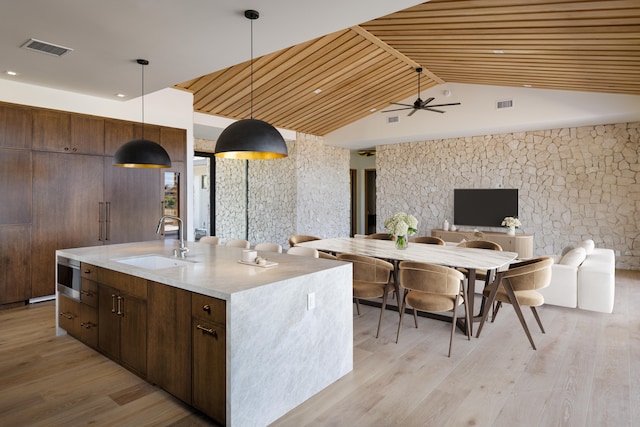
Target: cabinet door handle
{"points": [[100, 219], [113, 303], [209, 331], [107, 220], [67, 315], [87, 293], [120, 306], [87, 325], [206, 308]]}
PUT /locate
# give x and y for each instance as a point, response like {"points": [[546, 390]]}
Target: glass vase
{"points": [[402, 242]]}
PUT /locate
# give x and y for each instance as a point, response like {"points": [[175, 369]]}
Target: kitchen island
{"points": [[287, 331]]}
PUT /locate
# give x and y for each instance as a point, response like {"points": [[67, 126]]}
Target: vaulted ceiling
{"points": [[321, 85]]}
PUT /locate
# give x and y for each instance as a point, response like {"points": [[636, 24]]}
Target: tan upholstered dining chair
{"points": [[211, 240], [269, 247], [482, 275], [299, 238], [429, 240], [519, 286], [301, 250], [379, 236], [371, 279], [432, 288], [238, 243]]}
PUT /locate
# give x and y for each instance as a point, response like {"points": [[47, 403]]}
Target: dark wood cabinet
{"points": [[127, 191], [67, 132], [69, 315], [15, 274], [169, 339], [209, 356], [15, 126], [122, 317], [62, 201], [15, 186], [172, 140], [67, 192]]}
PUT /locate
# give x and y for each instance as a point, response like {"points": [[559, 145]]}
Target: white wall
{"points": [[167, 107], [534, 109]]}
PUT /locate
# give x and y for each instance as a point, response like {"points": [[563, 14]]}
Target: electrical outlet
{"points": [[311, 301]]}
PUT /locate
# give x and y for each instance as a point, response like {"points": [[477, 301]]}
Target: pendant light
{"points": [[142, 153], [251, 139]]}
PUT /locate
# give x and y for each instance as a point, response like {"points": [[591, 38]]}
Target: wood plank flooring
{"points": [[586, 372]]}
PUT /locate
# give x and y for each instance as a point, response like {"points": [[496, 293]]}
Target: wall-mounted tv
{"points": [[484, 207]]}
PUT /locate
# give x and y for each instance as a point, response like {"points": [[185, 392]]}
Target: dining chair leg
{"points": [[453, 322], [357, 306], [402, 306], [415, 317], [535, 314], [467, 316], [494, 312], [490, 299], [516, 306]]}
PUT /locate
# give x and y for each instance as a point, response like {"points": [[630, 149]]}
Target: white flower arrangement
{"points": [[401, 224], [511, 221]]}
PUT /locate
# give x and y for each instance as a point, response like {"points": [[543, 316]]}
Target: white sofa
{"points": [[583, 277]]}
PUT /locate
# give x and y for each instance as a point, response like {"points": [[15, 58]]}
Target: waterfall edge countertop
{"points": [[211, 270]]}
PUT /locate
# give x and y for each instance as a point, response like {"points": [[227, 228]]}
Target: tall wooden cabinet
{"points": [[56, 168]]}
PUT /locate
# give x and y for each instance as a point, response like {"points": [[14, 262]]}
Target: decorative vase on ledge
{"points": [[511, 231], [402, 242]]}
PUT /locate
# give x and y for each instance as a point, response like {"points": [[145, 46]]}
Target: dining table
{"points": [[471, 259]]}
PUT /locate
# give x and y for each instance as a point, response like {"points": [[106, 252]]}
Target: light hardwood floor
{"points": [[586, 372]]}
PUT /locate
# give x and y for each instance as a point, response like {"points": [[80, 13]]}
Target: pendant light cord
{"points": [[142, 88], [251, 73]]}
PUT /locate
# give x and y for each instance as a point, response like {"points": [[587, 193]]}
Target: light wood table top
{"points": [[453, 256]]}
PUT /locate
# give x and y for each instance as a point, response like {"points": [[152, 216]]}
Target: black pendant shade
{"points": [[141, 153], [251, 139]]}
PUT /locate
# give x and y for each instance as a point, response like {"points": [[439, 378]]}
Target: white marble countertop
{"points": [[210, 269], [444, 255]]}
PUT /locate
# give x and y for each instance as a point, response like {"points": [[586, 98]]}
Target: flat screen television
{"points": [[484, 207]]}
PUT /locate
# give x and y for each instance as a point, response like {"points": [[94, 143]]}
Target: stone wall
{"points": [[323, 203], [574, 183], [305, 193]]}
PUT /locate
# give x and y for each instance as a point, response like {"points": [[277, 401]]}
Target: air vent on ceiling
{"points": [[48, 48], [505, 103], [393, 119]]}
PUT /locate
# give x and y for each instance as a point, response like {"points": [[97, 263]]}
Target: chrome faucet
{"points": [[182, 251]]}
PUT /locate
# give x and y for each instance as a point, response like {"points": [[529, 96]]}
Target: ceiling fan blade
{"points": [[404, 105], [445, 105], [433, 109], [396, 109], [411, 113], [427, 101]]}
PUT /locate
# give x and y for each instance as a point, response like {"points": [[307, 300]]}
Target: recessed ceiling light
{"points": [[373, 110], [10, 73], [317, 91], [121, 95], [527, 85], [498, 51]]}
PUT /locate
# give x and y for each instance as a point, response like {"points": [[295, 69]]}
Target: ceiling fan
{"points": [[367, 153], [419, 104]]}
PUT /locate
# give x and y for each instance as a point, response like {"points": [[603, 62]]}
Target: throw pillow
{"points": [[574, 257], [588, 245], [567, 249]]}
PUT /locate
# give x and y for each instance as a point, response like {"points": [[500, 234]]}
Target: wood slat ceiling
{"points": [[552, 44]]}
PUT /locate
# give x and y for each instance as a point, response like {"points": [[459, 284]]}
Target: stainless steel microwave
{"points": [[68, 277]]}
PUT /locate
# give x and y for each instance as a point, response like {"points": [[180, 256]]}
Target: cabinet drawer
{"points": [[88, 271], [68, 315], [89, 292], [89, 325], [132, 285], [208, 308]]}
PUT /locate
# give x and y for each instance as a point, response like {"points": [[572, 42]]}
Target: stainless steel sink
{"points": [[153, 262]]}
